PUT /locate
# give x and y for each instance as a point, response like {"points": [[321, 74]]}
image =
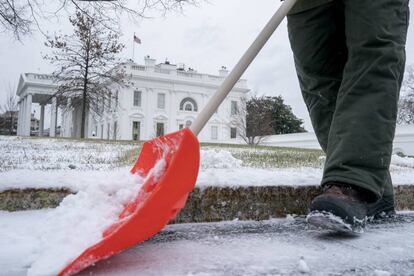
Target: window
{"points": [[188, 104], [188, 107], [233, 133], [116, 98], [110, 101], [137, 98], [160, 129], [180, 126], [115, 130], [188, 123], [136, 130], [102, 130], [214, 133], [234, 108], [161, 101], [95, 132]]}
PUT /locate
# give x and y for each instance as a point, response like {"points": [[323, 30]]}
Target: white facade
{"points": [[158, 99]]}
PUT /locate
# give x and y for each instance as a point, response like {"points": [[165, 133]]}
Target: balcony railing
{"points": [[183, 74], [39, 76]]}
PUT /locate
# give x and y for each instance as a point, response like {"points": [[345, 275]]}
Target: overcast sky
{"points": [[204, 38]]}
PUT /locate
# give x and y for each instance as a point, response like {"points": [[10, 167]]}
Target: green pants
{"points": [[350, 58]]}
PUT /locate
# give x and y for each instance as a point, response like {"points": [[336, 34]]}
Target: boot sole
{"points": [[329, 221]]}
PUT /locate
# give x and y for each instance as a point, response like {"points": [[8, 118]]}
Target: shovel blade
{"points": [[169, 164]]}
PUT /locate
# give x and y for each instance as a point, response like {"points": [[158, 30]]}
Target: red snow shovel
{"points": [[169, 165]]}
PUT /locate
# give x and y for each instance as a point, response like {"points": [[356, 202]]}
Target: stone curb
{"points": [[211, 203], [31, 199]]}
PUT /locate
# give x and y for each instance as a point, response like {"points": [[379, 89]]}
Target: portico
{"points": [[36, 88]]}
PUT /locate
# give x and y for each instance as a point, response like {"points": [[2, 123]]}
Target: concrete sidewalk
{"points": [[273, 247]]}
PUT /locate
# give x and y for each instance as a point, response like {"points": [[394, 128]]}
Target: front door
{"points": [[160, 129], [136, 130]]}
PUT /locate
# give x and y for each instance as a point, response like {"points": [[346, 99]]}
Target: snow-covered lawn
{"points": [[32, 162], [59, 154]]}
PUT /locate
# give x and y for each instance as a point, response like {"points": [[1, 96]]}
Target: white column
{"points": [[52, 132], [21, 116], [68, 118], [19, 120], [28, 115], [42, 119]]}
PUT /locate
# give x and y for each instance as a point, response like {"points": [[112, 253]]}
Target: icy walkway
{"points": [[275, 247]]}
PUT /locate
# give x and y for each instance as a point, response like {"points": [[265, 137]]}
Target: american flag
{"points": [[136, 39]]}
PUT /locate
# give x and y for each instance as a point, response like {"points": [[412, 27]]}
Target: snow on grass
{"points": [[58, 154], [273, 157], [47, 164]]}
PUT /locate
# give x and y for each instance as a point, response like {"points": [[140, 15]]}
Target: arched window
{"points": [[188, 104]]}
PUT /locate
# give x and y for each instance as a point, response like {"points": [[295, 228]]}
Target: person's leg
{"points": [[362, 129], [317, 38]]}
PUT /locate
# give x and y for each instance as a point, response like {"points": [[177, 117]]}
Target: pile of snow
{"points": [[218, 159], [303, 266], [80, 220], [407, 162]]}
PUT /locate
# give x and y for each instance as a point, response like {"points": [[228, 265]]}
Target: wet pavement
{"points": [[273, 247]]}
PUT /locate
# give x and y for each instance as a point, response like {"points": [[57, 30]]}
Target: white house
{"points": [[159, 99]]}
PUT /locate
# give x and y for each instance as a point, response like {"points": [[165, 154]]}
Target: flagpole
{"points": [[133, 48]]}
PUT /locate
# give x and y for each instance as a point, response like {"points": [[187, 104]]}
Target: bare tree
{"points": [[87, 65], [406, 103], [21, 17], [9, 111]]}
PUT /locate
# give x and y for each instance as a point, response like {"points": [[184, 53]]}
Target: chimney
{"points": [[149, 62], [223, 72]]}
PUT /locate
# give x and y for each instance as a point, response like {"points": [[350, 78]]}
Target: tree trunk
{"points": [[84, 94], [83, 118]]}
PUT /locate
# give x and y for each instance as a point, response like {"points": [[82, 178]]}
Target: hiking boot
{"points": [[346, 208]]}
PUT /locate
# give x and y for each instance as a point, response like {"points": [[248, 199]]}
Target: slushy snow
{"points": [[250, 248], [80, 220]]}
